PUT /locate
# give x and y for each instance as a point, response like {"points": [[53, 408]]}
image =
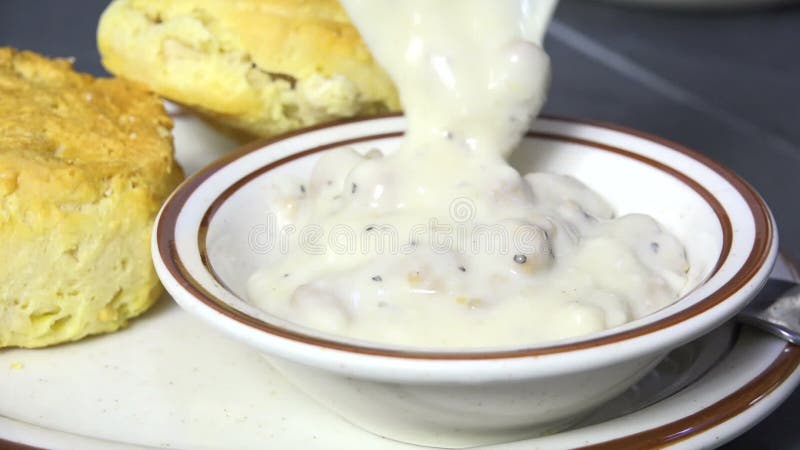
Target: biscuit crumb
{"points": [[107, 314], [16, 365]]}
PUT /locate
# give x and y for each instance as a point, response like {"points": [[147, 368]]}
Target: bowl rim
{"points": [[164, 242]]}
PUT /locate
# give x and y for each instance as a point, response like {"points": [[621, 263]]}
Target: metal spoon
{"points": [[776, 310]]}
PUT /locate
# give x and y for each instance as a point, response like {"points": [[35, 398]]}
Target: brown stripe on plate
{"points": [[727, 408], [11, 445], [763, 240]]}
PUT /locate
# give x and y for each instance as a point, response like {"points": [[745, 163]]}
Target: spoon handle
{"points": [[776, 310]]}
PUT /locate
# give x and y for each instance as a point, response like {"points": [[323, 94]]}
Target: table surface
{"points": [[722, 83]]}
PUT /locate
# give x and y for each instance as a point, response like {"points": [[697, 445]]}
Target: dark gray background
{"points": [[726, 84]]}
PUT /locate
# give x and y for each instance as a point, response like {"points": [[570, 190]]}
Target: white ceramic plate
{"points": [[170, 381]]}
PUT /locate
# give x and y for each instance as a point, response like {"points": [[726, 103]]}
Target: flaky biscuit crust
{"points": [[85, 164], [259, 66]]}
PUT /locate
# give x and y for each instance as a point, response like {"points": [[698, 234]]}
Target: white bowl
{"points": [[206, 245]]}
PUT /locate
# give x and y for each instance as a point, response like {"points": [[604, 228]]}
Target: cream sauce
{"points": [[441, 243]]}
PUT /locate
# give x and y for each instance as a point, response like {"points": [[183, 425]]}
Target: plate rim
{"points": [[761, 391], [55, 438]]}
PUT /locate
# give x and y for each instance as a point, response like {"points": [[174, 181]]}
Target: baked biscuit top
{"points": [[259, 66], [58, 126]]}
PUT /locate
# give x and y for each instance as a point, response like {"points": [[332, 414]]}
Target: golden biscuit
{"points": [[85, 164], [259, 66]]}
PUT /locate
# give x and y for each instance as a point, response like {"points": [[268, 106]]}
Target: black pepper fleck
{"points": [[462, 268], [286, 275], [303, 188], [377, 278], [654, 247], [369, 228], [354, 188]]}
